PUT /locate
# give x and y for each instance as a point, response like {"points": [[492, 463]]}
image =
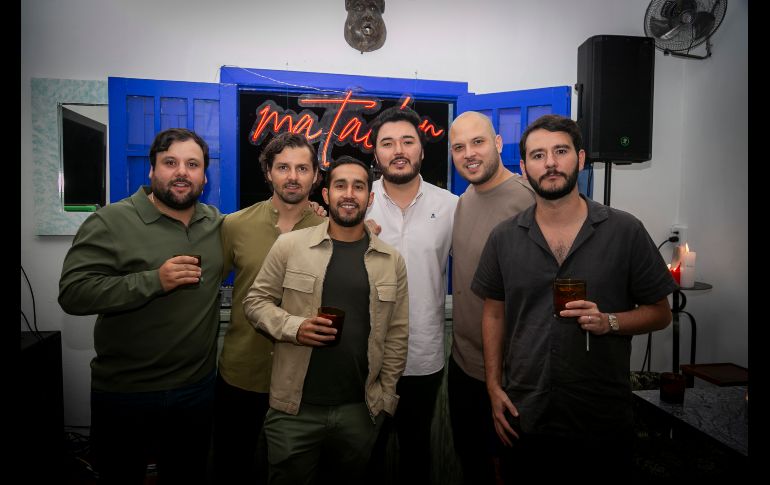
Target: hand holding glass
{"points": [[566, 290], [337, 317], [198, 263]]}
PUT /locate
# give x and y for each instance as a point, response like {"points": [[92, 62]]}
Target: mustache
{"points": [[348, 201], [399, 159], [551, 173], [182, 180]]}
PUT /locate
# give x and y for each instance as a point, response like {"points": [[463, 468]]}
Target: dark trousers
{"points": [[128, 430], [321, 445], [412, 422], [240, 451], [473, 431], [546, 459]]}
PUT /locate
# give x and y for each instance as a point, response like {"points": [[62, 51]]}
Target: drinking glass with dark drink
{"points": [[337, 317]]}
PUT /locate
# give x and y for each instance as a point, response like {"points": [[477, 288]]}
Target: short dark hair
{"points": [[278, 144], [346, 160], [165, 138], [393, 114], [552, 123]]}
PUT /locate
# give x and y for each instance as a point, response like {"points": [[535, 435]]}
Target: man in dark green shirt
{"points": [[150, 266]]}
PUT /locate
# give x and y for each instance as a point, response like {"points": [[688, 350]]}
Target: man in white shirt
{"points": [[416, 218]]}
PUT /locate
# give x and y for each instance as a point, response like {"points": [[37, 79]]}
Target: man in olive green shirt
{"points": [[152, 387], [290, 165]]}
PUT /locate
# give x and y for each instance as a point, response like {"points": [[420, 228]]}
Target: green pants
{"points": [[331, 442]]}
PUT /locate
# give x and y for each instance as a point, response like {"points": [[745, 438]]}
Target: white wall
{"points": [[698, 174], [714, 193]]}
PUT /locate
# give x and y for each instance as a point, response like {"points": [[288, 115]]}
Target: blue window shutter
{"points": [[511, 112], [140, 108]]}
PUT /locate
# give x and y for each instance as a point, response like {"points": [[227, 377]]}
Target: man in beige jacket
{"points": [[326, 396]]}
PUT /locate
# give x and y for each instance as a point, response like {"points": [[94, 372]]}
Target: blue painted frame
{"points": [[302, 81], [119, 88], [559, 98], [298, 82], [233, 79]]}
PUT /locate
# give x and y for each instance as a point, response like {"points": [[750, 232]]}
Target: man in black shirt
{"points": [[562, 407]]}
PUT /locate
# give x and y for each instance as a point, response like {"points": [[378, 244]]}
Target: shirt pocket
{"points": [[298, 293], [386, 301], [386, 293]]}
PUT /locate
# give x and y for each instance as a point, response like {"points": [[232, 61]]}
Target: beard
{"points": [[404, 177], [558, 192], [291, 198], [171, 200], [346, 221], [488, 170]]}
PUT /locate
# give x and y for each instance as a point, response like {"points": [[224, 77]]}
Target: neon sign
{"points": [[340, 124]]}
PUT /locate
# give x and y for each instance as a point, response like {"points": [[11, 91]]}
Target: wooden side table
{"points": [[721, 374]]}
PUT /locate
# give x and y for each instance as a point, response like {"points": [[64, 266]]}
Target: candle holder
{"points": [[676, 273]]}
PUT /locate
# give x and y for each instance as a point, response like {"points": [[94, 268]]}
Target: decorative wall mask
{"points": [[364, 28]]}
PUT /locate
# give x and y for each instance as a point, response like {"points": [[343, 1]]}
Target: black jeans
{"points": [[240, 451], [414, 414], [473, 431], [129, 430]]}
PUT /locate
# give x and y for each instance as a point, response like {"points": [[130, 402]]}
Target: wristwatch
{"points": [[614, 327]]}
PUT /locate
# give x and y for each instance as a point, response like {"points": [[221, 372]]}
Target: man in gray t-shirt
{"points": [[495, 194]]}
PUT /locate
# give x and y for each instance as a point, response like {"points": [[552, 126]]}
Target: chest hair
{"points": [[560, 239]]}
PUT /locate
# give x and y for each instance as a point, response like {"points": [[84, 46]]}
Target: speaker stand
{"points": [[607, 182]]}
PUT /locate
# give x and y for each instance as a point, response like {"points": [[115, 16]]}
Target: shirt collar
{"points": [[390, 201], [596, 213], [320, 233], [149, 213], [273, 212]]}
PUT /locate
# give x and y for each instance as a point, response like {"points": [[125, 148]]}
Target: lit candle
{"points": [[676, 273], [688, 268]]}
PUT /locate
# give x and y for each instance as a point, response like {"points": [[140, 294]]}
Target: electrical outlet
{"points": [[679, 230]]}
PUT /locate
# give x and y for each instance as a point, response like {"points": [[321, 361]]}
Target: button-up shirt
{"points": [[422, 233], [557, 385]]}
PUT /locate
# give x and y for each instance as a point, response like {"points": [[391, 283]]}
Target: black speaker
{"points": [[615, 86]]}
